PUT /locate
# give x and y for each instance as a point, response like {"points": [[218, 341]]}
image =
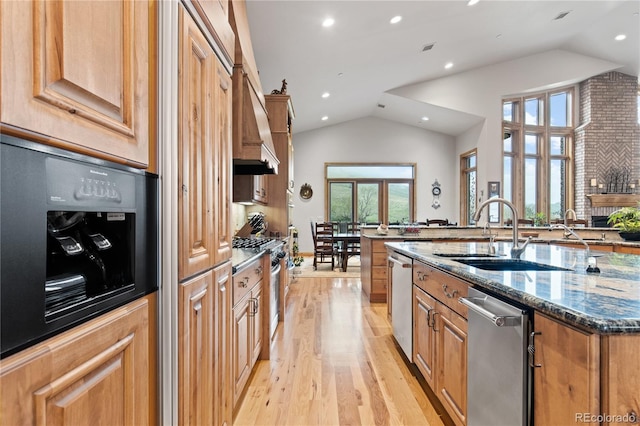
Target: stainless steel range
{"points": [[245, 249]]}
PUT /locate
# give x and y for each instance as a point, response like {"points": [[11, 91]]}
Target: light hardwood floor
{"points": [[334, 362]]}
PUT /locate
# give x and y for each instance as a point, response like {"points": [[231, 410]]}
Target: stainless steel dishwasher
{"points": [[498, 375], [401, 302]]}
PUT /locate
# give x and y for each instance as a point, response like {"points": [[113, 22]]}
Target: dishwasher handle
{"points": [[497, 320]]}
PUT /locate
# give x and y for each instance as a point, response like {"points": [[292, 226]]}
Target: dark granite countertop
{"points": [[604, 303]]}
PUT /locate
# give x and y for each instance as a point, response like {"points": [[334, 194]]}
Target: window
{"points": [[370, 193], [469, 195], [536, 147]]}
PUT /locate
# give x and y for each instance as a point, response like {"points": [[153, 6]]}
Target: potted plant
{"points": [[539, 219], [627, 221]]}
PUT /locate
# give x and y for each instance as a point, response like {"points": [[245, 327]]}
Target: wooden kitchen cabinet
{"points": [[204, 154], [196, 333], [567, 381], [250, 189], [374, 269], [440, 337], [424, 336], [80, 75], [96, 373], [620, 363], [223, 401], [451, 361], [249, 313], [204, 231], [280, 186]]}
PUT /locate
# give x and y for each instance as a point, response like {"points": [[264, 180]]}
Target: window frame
{"points": [[465, 170], [383, 198], [544, 131]]}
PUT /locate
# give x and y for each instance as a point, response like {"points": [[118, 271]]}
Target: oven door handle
{"points": [[275, 269]]}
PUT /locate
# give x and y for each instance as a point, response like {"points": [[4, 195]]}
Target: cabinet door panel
{"points": [[452, 361], [258, 318], [223, 384], [96, 373], [423, 335], [80, 74], [567, 382], [195, 359], [195, 215], [242, 347], [223, 170]]}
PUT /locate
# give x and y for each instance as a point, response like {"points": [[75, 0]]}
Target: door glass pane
{"points": [[530, 188], [471, 196], [557, 183], [558, 109], [532, 112], [341, 202], [507, 166], [398, 203], [368, 203]]}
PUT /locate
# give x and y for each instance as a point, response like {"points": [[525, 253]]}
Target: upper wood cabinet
{"points": [[280, 186], [80, 75], [96, 373], [204, 154], [215, 16]]}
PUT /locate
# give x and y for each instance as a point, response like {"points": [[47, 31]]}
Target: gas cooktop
{"points": [[256, 244]]}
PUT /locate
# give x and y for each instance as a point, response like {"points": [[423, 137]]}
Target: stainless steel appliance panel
{"points": [[498, 376], [401, 302]]}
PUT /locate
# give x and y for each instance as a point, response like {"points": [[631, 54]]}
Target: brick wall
{"points": [[608, 134]]}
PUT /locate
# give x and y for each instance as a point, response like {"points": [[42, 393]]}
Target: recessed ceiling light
{"points": [[340, 74], [396, 19], [325, 118], [472, 2], [425, 118], [326, 95], [448, 65], [620, 37], [328, 22]]}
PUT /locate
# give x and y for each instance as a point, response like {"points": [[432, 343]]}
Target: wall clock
{"points": [[306, 192], [436, 191]]}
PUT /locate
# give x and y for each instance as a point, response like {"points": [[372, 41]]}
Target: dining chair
{"points": [[509, 222], [439, 222], [323, 245], [582, 222], [351, 248]]}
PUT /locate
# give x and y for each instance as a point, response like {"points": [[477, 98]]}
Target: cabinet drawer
{"points": [[442, 286], [379, 247], [245, 279], [379, 259]]}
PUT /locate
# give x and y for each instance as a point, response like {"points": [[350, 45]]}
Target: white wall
{"points": [[373, 140], [481, 90]]}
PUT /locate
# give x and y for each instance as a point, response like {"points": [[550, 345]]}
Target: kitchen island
{"points": [[586, 327]]}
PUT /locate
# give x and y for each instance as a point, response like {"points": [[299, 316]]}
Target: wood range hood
{"points": [[253, 150]]}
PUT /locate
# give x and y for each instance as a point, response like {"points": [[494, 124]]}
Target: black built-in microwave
{"points": [[78, 237]]}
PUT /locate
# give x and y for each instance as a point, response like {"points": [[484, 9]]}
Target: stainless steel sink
{"points": [[497, 264]]}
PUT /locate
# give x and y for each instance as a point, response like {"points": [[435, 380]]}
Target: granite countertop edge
{"points": [[561, 312]]}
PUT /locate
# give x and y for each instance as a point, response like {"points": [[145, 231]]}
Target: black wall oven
{"points": [[78, 237]]}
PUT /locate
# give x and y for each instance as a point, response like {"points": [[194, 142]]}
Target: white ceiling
{"points": [[363, 56]]}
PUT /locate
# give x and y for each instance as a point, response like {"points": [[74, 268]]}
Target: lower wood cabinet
{"points": [[247, 337], [204, 359], [440, 352], [95, 374], [567, 381]]}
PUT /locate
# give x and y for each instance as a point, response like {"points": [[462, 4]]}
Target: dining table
{"points": [[344, 239]]}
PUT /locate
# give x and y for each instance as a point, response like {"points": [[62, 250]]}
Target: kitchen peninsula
{"points": [[586, 326]]}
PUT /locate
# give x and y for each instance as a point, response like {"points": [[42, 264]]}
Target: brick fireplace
{"points": [[608, 136]]}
